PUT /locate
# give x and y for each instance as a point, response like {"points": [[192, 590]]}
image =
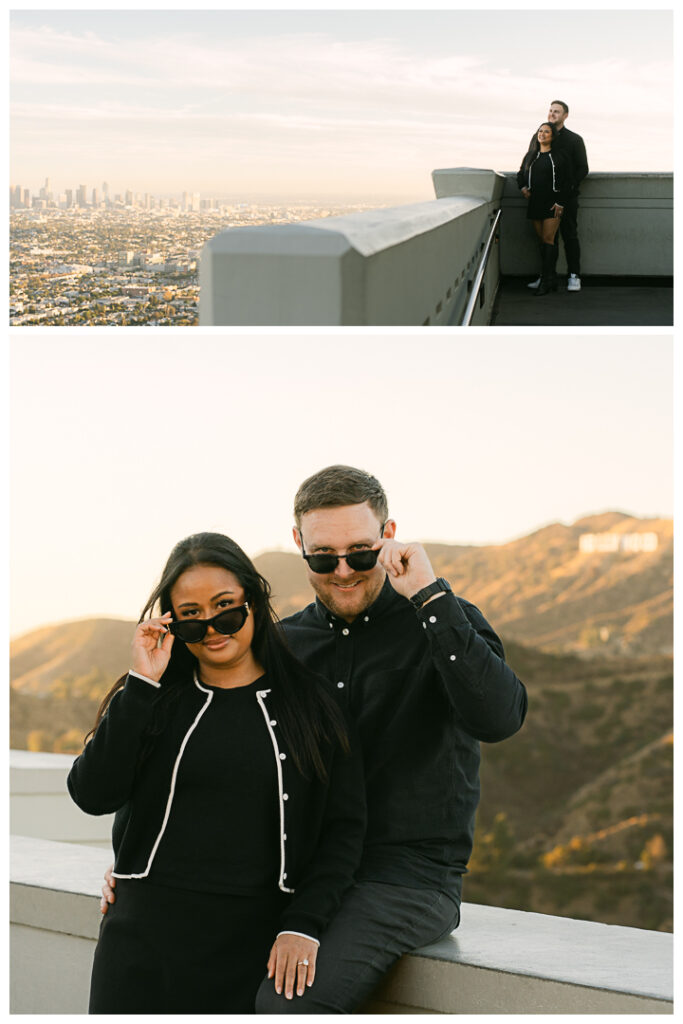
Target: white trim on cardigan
{"points": [[260, 694], [143, 874], [139, 675]]}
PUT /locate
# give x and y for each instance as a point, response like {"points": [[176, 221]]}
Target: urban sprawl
{"points": [[85, 257]]}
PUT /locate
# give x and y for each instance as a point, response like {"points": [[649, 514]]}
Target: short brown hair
{"points": [[561, 103], [336, 486]]}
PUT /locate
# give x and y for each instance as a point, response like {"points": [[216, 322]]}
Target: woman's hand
{"points": [[526, 192], [148, 658], [559, 210], [108, 894], [292, 963]]}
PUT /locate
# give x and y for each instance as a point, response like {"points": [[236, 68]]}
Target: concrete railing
{"points": [[625, 227], [498, 961], [403, 265], [414, 265]]}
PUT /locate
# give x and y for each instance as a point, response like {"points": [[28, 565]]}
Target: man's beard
{"points": [[346, 607]]}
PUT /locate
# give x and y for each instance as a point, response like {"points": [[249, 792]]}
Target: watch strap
{"points": [[439, 585]]}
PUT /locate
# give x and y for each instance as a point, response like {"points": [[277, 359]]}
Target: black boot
{"points": [[548, 282]]}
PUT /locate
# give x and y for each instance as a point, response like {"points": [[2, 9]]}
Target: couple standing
{"points": [[549, 178], [295, 804]]}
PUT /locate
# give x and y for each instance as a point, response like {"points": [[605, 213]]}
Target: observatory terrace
{"points": [[449, 262], [498, 961]]}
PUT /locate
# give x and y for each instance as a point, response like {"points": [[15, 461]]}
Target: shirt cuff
{"points": [[301, 934], [139, 675]]}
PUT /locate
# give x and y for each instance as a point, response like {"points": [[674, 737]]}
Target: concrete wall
{"points": [[625, 227], [498, 961], [41, 806], [407, 265]]}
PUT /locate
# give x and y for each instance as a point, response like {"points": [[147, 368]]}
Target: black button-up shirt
{"points": [[424, 688]]}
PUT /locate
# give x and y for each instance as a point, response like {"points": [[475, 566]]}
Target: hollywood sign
{"points": [[610, 542]]}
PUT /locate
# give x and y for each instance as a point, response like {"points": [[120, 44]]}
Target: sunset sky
{"points": [[123, 444], [315, 104]]}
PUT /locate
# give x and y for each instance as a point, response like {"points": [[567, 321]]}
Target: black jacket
{"points": [[573, 150], [321, 824], [423, 687], [559, 189]]}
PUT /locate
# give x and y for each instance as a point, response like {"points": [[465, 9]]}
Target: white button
{"points": [[432, 618], [366, 618], [284, 835], [452, 657], [340, 686], [282, 757], [285, 796], [424, 625], [331, 626], [273, 722], [284, 875], [345, 632]]}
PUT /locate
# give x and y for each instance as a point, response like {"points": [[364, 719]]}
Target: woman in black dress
{"points": [[542, 179], [238, 795]]}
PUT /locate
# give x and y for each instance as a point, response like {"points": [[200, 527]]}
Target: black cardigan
{"points": [[321, 824]]}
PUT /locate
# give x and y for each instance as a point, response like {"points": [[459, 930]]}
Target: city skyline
{"points": [[475, 444], [327, 103]]}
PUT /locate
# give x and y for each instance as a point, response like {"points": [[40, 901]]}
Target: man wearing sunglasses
{"points": [[424, 677]]}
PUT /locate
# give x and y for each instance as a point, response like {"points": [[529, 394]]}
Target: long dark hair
{"points": [[535, 145], [308, 716]]}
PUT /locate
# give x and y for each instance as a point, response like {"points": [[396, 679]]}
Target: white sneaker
{"points": [[534, 284], [573, 283]]}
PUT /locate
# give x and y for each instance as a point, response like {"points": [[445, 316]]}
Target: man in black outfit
{"points": [[424, 677], [573, 149]]}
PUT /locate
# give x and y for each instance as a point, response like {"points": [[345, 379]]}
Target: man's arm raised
{"points": [[484, 691]]}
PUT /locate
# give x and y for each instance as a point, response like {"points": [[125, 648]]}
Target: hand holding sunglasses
{"points": [[407, 566], [149, 658]]}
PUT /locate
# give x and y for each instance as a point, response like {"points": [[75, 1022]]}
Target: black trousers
{"points": [[570, 237], [167, 950], [374, 926]]}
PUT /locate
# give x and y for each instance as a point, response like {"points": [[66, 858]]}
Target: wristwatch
{"points": [[439, 585]]}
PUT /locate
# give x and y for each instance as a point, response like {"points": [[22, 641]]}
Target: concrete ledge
{"points": [[538, 964], [498, 961], [398, 266]]}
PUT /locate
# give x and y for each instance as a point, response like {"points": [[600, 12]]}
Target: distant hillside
{"points": [[543, 591], [73, 659]]}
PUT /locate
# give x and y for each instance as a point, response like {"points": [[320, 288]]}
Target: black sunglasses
{"points": [[227, 622], [359, 561]]}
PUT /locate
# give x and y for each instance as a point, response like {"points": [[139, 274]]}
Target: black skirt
{"points": [[167, 950]]}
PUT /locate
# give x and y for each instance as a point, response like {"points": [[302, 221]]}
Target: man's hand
{"points": [[526, 192], [292, 963], [108, 894], [406, 565]]}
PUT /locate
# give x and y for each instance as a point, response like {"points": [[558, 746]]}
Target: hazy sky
{"points": [[122, 444], [315, 103]]}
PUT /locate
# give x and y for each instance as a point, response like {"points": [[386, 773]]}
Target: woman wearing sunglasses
{"points": [[239, 798], [542, 178]]}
